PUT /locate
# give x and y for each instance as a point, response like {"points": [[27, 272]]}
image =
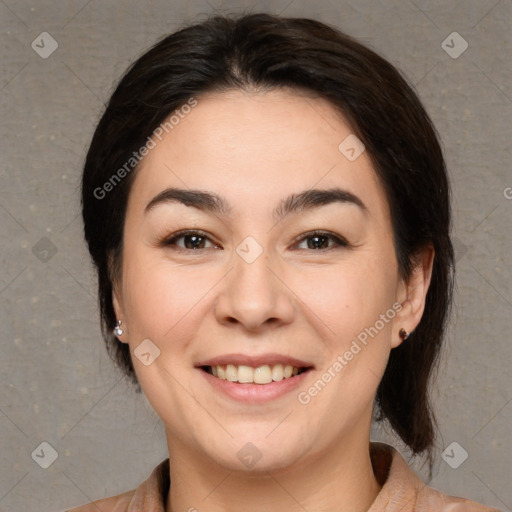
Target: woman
{"points": [[267, 207]]}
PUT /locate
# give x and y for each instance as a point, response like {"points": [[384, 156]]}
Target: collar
{"points": [[402, 490]]}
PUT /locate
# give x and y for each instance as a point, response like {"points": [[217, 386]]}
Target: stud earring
{"points": [[117, 329], [403, 334]]}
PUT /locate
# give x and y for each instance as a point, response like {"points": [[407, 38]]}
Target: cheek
{"points": [[164, 300], [164, 304], [352, 308], [345, 298], [346, 305]]}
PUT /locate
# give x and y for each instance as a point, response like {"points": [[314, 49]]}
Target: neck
{"points": [[341, 478]]}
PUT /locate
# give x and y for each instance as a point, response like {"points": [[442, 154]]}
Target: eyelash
{"points": [[339, 242]]}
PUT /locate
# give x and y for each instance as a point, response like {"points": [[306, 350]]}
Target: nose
{"points": [[254, 295]]}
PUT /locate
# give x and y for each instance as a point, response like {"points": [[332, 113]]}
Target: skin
{"points": [[255, 149]]}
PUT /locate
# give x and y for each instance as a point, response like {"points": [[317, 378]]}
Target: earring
{"points": [[117, 329], [403, 334]]}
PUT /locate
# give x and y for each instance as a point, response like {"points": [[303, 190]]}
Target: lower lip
{"points": [[256, 393]]}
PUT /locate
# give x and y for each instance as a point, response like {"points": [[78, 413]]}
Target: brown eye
{"points": [[190, 240], [194, 241], [319, 241]]}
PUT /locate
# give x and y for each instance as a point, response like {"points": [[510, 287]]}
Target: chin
{"points": [[257, 452]]}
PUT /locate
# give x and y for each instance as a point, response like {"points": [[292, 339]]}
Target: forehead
{"points": [[254, 148]]}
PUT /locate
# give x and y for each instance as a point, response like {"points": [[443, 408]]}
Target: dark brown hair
{"points": [[261, 51]]}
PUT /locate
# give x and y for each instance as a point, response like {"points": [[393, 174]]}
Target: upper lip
{"points": [[254, 361]]}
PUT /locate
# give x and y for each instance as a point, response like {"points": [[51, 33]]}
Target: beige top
{"points": [[402, 490]]}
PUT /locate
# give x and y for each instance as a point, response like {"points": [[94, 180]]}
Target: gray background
{"points": [[57, 383]]}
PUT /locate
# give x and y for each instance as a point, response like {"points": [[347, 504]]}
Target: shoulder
{"points": [[117, 503], [430, 499], [402, 490]]}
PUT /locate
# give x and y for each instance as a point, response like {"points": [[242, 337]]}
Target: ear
{"points": [[411, 295]]}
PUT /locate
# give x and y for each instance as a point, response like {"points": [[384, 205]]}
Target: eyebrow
{"points": [[295, 203]]}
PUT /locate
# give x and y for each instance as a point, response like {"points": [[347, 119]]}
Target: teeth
{"points": [[262, 374], [231, 373], [247, 375], [277, 372]]}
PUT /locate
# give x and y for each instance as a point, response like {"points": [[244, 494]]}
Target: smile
{"points": [[244, 374]]}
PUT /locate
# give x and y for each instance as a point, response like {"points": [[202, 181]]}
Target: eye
{"points": [[319, 241], [192, 240]]}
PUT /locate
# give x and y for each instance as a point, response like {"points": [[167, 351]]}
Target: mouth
{"points": [[264, 374], [254, 379]]}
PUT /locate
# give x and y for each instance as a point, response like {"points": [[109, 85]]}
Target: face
{"points": [[267, 276]]}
